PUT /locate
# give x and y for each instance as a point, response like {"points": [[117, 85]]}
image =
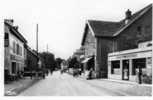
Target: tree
{"points": [[58, 63], [73, 63], [48, 60]]}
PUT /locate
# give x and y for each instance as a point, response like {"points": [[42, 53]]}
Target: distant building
{"points": [[103, 37], [78, 53], [15, 53]]}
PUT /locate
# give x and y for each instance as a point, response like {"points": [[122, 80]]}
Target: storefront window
{"points": [[115, 67], [138, 63]]}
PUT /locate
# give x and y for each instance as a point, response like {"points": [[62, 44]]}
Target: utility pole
{"points": [[47, 48], [37, 45], [37, 38]]}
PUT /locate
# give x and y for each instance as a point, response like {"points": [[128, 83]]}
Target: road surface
{"points": [[66, 85]]}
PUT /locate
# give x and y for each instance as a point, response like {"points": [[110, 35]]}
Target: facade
{"points": [[15, 53], [125, 65], [103, 37], [32, 60]]}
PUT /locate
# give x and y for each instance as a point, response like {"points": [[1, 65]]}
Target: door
{"points": [[13, 68], [125, 70]]}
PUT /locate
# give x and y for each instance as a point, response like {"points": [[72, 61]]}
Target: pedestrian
{"points": [[90, 73]]}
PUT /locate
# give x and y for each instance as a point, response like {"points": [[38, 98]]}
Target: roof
{"points": [[16, 32], [104, 28], [134, 17], [111, 29]]}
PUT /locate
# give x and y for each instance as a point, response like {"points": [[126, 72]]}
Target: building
{"points": [[125, 65], [103, 37], [78, 53], [132, 47], [32, 59], [15, 53]]}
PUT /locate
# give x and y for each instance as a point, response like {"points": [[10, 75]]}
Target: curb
{"points": [[124, 82]]}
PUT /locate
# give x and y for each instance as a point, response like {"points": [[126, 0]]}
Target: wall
{"points": [[89, 44], [10, 55], [129, 38], [31, 61], [104, 46]]}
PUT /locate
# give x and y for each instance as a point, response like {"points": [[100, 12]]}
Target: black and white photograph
{"points": [[76, 48]]}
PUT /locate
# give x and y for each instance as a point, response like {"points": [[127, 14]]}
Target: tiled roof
{"points": [[104, 28], [111, 29], [134, 17]]}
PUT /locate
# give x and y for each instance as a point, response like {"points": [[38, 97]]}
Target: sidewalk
{"points": [[14, 88], [127, 82], [123, 87], [133, 87]]}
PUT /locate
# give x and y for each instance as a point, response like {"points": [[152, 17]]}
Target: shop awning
{"points": [[86, 60]]}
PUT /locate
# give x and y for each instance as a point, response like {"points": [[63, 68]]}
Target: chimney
{"points": [[128, 15], [16, 27], [9, 21]]}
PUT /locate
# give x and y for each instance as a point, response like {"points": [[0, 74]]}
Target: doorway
{"points": [[125, 70]]}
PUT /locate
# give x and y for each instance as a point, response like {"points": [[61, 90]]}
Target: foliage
{"points": [[48, 60], [73, 63], [58, 62]]}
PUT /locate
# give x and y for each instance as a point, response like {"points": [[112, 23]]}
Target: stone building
{"points": [[103, 37], [15, 53]]}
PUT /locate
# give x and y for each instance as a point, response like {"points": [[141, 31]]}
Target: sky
{"points": [[61, 22]]}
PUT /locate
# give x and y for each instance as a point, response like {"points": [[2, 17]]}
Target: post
{"points": [[37, 44], [47, 48], [37, 38], [121, 68]]}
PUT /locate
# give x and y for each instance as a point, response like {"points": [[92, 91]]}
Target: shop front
{"points": [[125, 65], [17, 65]]}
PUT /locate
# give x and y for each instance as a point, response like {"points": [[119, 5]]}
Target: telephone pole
{"points": [[37, 45], [47, 48], [37, 39]]}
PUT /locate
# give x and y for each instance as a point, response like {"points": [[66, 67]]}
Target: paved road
{"points": [[66, 85]]}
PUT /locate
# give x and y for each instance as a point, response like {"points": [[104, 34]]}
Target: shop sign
{"points": [[13, 57], [127, 56]]}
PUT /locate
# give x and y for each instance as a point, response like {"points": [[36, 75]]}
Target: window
{"points": [[14, 47], [115, 67], [139, 29], [6, 36], [138, 63], [18, 48], [20, 51]]}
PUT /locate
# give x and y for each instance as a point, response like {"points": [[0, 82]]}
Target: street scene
{"points": [[66, 85], [79, 50]]}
